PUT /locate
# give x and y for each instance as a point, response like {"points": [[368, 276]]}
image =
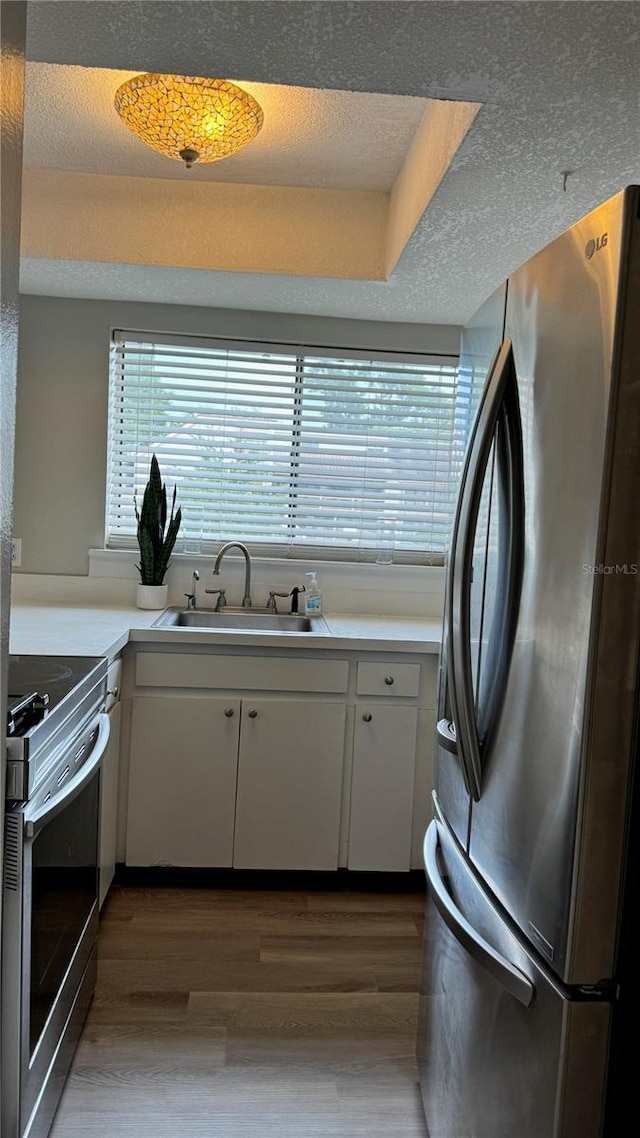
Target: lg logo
{"points": [[595, 246]]}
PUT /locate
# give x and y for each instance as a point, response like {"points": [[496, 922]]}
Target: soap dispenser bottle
{"points": [[312, 596]]}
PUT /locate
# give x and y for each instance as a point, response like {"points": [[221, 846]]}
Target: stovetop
{"points": [[24, 711], [54, 676]]}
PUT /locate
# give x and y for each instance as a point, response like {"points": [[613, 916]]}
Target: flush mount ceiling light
{"points": [[189, 119]]}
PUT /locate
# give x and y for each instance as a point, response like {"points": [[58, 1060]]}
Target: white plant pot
{"points": [[152, 596]]}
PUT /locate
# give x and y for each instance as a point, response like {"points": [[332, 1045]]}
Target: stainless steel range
{"points": [[57, 732]]}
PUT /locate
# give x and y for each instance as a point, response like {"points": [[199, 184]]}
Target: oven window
{"points": [[65, 871]]}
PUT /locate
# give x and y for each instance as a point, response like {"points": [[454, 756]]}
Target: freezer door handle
{"points": [[507, 975], [446, 732]]}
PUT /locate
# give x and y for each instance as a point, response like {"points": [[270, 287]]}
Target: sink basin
{"points": [[247, 619]]}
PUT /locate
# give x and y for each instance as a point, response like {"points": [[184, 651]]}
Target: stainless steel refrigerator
{"points": [[531, 858]]}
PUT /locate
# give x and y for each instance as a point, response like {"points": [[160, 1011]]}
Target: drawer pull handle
{"points": [[388, 680], [253, 713], [367, 717], [229, 712], [114, 691]]}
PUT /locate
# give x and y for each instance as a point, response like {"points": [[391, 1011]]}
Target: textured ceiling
{"points": [[561, 88], [344, 140]]}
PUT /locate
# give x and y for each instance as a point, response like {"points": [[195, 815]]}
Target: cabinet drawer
{"points": [[114, 683], [388, 679], [250, 673]]}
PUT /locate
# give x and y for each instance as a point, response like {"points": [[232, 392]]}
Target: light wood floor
{"points": [[241, 1014]]}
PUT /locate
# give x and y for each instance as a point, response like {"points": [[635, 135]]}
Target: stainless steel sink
{"points": [[241, 619]]}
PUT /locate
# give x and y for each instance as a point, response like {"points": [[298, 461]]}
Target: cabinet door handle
{"points": [[367, 717], [229, 712], [113, 691], [388, 680], [253, 713]]}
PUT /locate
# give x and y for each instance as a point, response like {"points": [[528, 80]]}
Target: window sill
{"points": [[366, 587]]}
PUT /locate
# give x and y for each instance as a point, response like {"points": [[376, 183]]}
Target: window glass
{"points": [[288, 448]]}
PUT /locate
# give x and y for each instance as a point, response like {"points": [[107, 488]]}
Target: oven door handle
{"points": [[69, 790]]}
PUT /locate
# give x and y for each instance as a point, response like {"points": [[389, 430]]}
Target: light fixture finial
{"points": [[189, 157]]}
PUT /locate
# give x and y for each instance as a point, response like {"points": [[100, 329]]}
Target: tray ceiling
{"points": [[559, 85], [344, 140]]}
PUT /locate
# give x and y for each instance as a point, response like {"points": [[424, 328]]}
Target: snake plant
{"points": [[156, 545]]}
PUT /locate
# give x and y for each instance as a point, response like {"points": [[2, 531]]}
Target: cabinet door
{"points": [[182, 781], [384, 757], [109, 803], [289, 784]]}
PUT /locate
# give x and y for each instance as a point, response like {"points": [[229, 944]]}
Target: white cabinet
{"points": [[392, 755], [278, 760], [182, 780], [187, 753], [384, 756], [109, 784], [289, 784]]}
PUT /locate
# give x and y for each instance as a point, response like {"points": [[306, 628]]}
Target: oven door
{"points": [[51, 922]]}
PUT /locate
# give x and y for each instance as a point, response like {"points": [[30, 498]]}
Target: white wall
{"points": [[61, 445]]}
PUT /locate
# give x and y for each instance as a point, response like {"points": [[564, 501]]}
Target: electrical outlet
{"points": [[16, 552]]}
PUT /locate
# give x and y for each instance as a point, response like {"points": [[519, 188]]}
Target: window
{"points": [[297, 451]]}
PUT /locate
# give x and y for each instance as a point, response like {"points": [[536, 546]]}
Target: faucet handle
{"points": [[222, 598], [271, 603]]}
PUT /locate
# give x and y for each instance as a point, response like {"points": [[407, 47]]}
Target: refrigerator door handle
{"points": [[459, 669], [446, 738], [507, 975], [509, 463]]}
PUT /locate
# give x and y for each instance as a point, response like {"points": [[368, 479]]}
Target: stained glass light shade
{"points": [[189, 119]]}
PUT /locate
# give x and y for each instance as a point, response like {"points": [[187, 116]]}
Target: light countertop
{"points": [[92, 629], [71, 629]]}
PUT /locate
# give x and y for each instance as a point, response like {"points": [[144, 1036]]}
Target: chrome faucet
{"points": [[246, 600]]}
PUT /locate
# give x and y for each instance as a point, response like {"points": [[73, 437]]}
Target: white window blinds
{"points": [[295, 449]]}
